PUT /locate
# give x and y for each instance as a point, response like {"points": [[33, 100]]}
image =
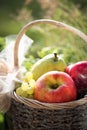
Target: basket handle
{"points": [[48, 21]]}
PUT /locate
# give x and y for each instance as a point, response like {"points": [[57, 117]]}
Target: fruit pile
{"points": [[51, 80], [26, 89]]}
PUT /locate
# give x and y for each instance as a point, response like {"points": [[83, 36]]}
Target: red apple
{"points": [[55, 87], [78, 72]]}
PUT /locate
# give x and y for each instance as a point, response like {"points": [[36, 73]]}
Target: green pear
{"points": [[48, 63]]}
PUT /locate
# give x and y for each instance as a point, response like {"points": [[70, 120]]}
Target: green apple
{"points": [[48, 63]]}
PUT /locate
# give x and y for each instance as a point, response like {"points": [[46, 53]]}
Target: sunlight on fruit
{"points": [[26, 89], [28, 76], [32, 83], [30, 90], [31, 87], [24, 86], [19, 91]]}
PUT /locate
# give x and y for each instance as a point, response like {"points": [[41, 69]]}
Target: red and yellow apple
{"points": [[78, 72], [55, 87]]}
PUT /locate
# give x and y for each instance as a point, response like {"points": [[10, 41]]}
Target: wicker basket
{"points": [[29, 114]]}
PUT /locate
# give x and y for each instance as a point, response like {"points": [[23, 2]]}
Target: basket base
{"points": [[23, 117]]}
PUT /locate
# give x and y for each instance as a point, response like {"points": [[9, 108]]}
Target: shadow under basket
{"points": [[30, 114]]}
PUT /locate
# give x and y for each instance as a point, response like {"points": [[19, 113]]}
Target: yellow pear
{"points": [[48, 63]]}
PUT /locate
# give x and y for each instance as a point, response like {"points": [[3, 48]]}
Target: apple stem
{"points": [[55, 57]]}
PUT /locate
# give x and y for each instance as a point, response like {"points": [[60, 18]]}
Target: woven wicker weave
{"points": [[29, 114]]}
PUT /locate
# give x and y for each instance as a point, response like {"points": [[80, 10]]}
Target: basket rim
{"points": [[52, 106]]}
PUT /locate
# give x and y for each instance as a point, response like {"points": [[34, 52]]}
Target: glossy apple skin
{"points": [[55, 87], [78, 72]]}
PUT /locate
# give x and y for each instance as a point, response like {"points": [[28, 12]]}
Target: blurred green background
{"points": [[15, 14]]}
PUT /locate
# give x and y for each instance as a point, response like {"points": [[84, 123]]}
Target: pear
{"points": [[48, 63]]}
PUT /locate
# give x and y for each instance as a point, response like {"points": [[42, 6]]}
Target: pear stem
{"points": [[55, 57]]}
